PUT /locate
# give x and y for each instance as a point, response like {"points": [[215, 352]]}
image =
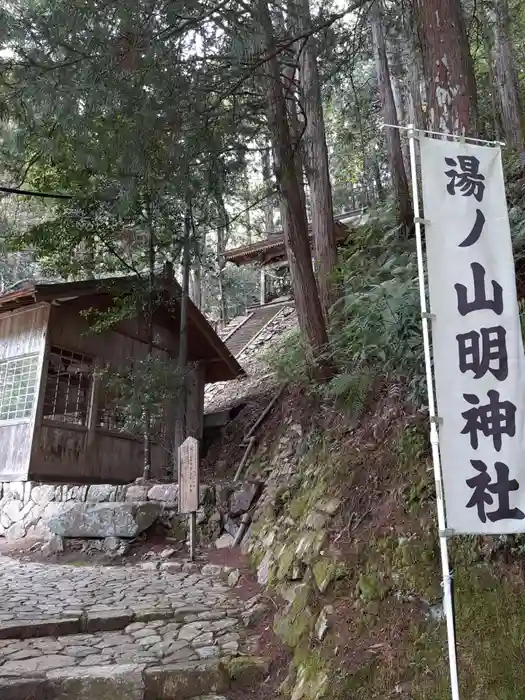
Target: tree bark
{"points": [[291, 92], [199, 251], [397, 73], [182, 360], [377, 178], [393, 139], [309, 311], [247, 205], [506, 79], [413, 58], [222, 239], [448, 67], [268, 185], [316, 161]]}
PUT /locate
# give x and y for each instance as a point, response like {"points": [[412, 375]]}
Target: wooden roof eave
{"points": [[57, 292]]}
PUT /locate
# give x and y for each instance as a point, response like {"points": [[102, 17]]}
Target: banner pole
{"points": [[448, 602]]}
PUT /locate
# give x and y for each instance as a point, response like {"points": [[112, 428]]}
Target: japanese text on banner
{"points": [[479, 365]]}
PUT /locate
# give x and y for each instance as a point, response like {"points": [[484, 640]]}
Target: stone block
{"points": [[15, 489], [43, 493], [111, 544], [167, 493], [55, 508], [231, 527], [241, 500], [55, 545], [224, 541], [107, 620], [5, 521], [118, 682], [28, 487], [185, 680], [101, 493], [248, 671], [15, 532], [233, 578], [137, 492], [12, 509], [206, 495], [222, 495], [105, 519], [24, 688], [47, 627]]}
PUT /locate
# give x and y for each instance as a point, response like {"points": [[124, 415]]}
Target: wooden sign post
{"points": [[189, 485]]}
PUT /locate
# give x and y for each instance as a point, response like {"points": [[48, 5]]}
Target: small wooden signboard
{"points": [[189, 476], [189, 486]]}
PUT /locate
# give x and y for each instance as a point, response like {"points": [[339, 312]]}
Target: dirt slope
{"points": [[345, 535]]}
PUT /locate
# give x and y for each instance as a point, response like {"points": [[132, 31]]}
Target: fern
{"points": [[375, 326], [352, 390]]}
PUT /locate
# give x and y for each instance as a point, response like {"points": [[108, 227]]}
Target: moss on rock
{"points": [[247, 671], [324, 571], [295, 625], [371, 588], [311, 679]]}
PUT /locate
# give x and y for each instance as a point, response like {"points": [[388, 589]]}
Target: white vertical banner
{"points": [[479, 365]]}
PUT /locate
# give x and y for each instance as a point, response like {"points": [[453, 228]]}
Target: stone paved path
{"points": [[58, 616]]}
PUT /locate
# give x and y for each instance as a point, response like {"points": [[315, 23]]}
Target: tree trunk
{"points": [[182, 360], [506, 79], [291, 93], [309, 311], [268, 185], [377, 178], [222, 239], [397, 73], [196, 272], [149, 324], [196, 284], [316, 162], [416, 88], [448, 67], [393, 139], [247, 205]]}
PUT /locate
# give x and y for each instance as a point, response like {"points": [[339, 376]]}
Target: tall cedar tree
{"points": [[393, 139], [309, 311], [316, 160], [506, 79], [449, 71]]}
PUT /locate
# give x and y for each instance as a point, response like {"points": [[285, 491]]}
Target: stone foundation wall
{"points": [[27, 507]]}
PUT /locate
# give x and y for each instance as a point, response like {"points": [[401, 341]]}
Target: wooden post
{"points": [[263, 287], [193, 533], [189, 486]]}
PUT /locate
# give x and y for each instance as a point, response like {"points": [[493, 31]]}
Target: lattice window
{"points": [[68, 386], [18, 387]]}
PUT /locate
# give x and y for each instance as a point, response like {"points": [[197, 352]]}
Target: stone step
{"points": [[204, 680], [97, 620], [158, 642]]}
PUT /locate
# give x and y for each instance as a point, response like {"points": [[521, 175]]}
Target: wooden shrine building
{"points": [[56, 420], [270, 254]]}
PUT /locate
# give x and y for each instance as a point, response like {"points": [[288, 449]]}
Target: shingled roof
{"points": [[272, 249], [203, 342]]}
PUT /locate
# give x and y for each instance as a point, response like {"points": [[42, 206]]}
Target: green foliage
{"points": [[288, 359], [140, 390], [375, 325]]}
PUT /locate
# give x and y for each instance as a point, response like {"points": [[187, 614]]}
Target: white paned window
{"points": [[18, 387]]}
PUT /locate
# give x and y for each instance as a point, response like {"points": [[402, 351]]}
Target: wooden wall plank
{"points": [[21, 333]]}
